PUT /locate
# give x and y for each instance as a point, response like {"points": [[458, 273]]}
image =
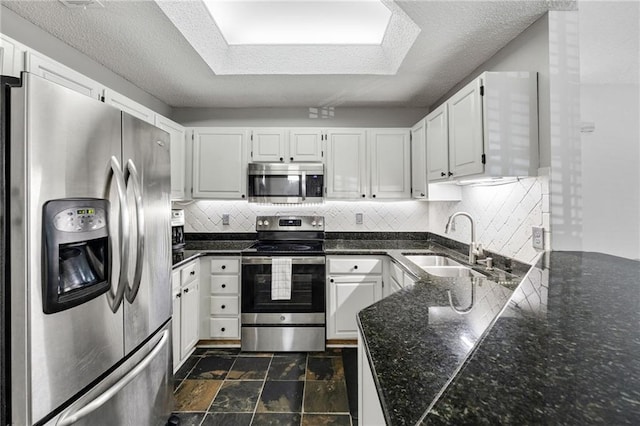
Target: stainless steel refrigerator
{"points": [[86, 293]]}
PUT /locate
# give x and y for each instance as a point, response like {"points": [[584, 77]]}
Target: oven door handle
{"points": [[264, 260], [304, 186]]}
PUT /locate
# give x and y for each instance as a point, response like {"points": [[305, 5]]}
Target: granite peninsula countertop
{"points": [[563, 351]]}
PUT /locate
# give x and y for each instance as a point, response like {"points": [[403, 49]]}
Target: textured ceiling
{"points": [[137, 41]]}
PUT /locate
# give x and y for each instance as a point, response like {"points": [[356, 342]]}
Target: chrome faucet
{"points": [[475, 249]]}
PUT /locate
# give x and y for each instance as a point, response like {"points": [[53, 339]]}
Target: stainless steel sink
{"points": [[442, 266], [425, 260]]}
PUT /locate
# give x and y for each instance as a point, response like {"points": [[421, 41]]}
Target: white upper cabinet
{"points": [[129, 106], [305, 145], [177, 135], [346, 163], [11, 56], [487, 129], [390, 163], [268, 145], [465, 131], [419, 186], [54, 71], [437, 135], [220, 163]]}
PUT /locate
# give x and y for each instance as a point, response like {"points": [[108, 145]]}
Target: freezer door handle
{"points": [[114, 172], [73, 416], [131, 172]]}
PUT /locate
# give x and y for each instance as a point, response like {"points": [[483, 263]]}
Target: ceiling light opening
{"points": [[302, 22]]}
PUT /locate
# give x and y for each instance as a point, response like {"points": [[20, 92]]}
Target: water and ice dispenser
{"points": [[76, 252]]}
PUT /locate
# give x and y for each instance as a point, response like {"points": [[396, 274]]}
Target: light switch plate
{"points": [[537, 237], [359, 218], [225, 219]]}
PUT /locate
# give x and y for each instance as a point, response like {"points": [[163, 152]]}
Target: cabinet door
{"points": [[189, 318], [390, 164], [219, 163], [177, 134], [346, 164], [437, 144], [347, 296], [419, 186], [305, 145], [268, 145], [176, 326], [129, 106], [465, 131], [11, 56], [56, 72]]}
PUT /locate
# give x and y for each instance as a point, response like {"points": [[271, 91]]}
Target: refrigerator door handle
{"points": [[131, 172], [115, 172], [73, 416]]}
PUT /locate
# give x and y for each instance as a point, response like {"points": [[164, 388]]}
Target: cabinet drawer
{"points": [[225, 266], [226, 284], [355, 266], [228, 328], [396, 272], [189, 273], [224, 305]]}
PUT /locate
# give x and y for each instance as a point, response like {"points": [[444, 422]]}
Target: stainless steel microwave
{"points": [[286, 183]]}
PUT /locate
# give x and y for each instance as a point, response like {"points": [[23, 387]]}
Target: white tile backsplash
{"points": [[504, 215], [340, 216]]}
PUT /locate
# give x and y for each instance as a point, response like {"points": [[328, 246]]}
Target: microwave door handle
{"points": [[114, 172], [304, 186]]}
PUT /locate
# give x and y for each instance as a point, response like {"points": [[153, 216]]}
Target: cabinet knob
{"points": [[222, 329], [186, 290], [450, 174], [179, 295], [443, 174], [363, 195], [374, 195], [224, 266], [290, 158], [223, 306], [224, 286], [281, 159], [422, 194], [192, 273], [355, 267], [242, 195], [331, 280]]}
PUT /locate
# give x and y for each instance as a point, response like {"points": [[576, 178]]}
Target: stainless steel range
{"points": [[283, 286]]}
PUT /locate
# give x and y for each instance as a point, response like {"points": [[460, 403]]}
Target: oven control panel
{"points": [[290, 223]]}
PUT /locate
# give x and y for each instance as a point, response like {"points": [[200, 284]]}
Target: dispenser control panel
{"points": [[80, 219]]}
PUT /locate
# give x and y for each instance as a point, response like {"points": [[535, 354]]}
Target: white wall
{"points": [[409, 216], [23, 31], [299, 117], [609, 101]]}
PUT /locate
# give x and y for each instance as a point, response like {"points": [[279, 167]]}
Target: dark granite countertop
{"points": [[563, 351]]}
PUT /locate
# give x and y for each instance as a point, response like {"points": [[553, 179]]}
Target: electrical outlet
{"points": [[225, 219], [359, 218], [537, 237]]}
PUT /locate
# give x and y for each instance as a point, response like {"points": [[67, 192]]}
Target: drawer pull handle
{"points": [[223, 306], [224, 266], [355, 267], [224, 286], [223, 329]]}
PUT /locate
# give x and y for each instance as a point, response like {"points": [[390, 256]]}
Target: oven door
{"points": [[307, 286]]}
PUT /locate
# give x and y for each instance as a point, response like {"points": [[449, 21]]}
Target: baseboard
{"points": [[231, 343], [342, 343]]}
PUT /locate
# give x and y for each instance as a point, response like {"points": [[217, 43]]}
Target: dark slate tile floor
{"points": [[229, 387]]}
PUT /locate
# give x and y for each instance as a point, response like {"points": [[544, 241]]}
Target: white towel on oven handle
{"points": [[281, 278]]}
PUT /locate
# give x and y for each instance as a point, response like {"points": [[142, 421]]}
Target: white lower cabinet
{"points": [[186, 302], [221, 303], [369, 408], [353, 283]]}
